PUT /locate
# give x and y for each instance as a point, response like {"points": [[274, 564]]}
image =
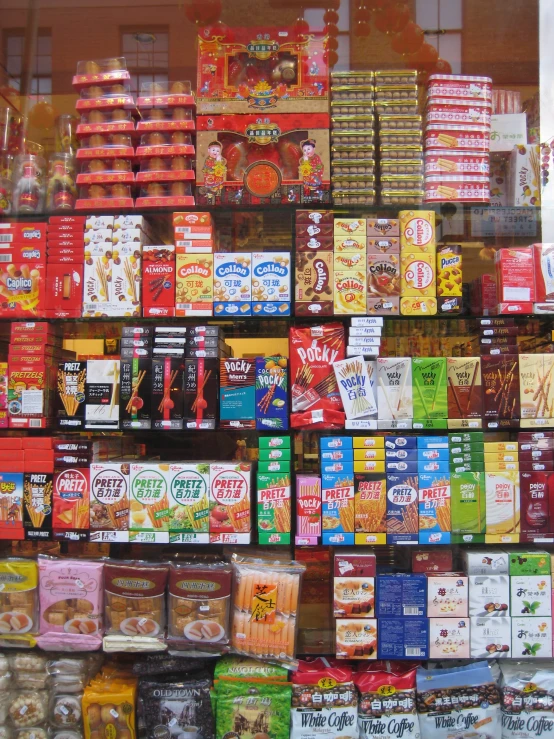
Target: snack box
{"points": [[531, 595], [403, 638], [368, 442], [485, 562], [402, 509], [449, 638], [491, 638], [489, 595], [230, 503], [432, 560], [531, 637], [528, 563], [356, 638], [401, 595], [337, 509]]}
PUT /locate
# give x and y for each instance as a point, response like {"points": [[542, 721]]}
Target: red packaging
{"points": [[461, 138], [17, 358], [472, 113], [60, 229], [192, 219], [499, 341], [71, 499], [508, 349], [38, 442], [320, 231], [456, 162], [511, 308], [488, 331], [194, 246], [465, 188], [76, 242], [34, 349], [64, 289], [313, 349], [64, 251], [459, 87], [432, 560], [11, 442], [12, 455], [537, 455], [538, 466], [22, 280], [543, 256], [22, 233], [31, 390], [66, 259], [515, 275], [535, 491], [67, 219], [158, 280], [350, 563]]}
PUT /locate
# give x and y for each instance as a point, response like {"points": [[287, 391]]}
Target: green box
{"points": [[429, 388], [467, 493], [466, 437], [467, 538], [274, 507], [274, 466], [466, 457], [274, 442], [467, 448], [529, 563], [429, 423], [277, 454], [467, 467]]}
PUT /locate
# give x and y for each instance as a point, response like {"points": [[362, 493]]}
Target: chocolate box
{"points": [[260, 68], [314, 284], [242, 160], [201, 393]]}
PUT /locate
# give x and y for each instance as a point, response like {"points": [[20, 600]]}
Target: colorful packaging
{"points": [[149, 499], [31, 393], [271, 273], [370, 501], [355, 387], [531, 595], [467, 490], [308, 509], [447, 596], [102, 394], [70, 407], [449, 638], [353, 597], [387, 707], [135, 392], [526, 700], [350, 292], [109, 704], [465, 397], [417, 230], [502, 506], [337, 496], [194, 285], [402, 508], [19, 621], [37, 505], [71, 604], [313, 295], [237, 393], [201, 381], [449, 270], [317, 708], [230, 503], [434, 508], [189, 484], [417, 275], [274, 508], [232, 284], [536, 490], [429, 387], [532, 637], [185, 701], [356, 638], [109, 498], [394, 388], [168, 393], [22, 274], [158, 280], [383, 275], [500, 375], [267, 707], [272, 411], [71, 501]]}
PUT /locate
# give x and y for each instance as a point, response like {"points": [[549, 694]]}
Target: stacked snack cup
{"points": [[400, 137], [105, 133], [457, 138], [352, 138], [166, 149]]}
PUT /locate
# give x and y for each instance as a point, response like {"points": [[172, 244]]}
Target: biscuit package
{"points": [[109, 707], [135, 602], [71, 604], [18, 602], [199, 606]]}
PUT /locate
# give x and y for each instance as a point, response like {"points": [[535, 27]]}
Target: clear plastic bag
{"points": [[28, 708], [65, 710]]}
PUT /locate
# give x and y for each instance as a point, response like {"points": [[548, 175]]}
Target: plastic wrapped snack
{"points": [[100, 71], [32, 662], [28, 708], [135, 601], [109, 707], [33, 732], [65, 711], [265, 601], [18, 602], [199, 605], [265, 713], [182, 707], [70, 604]]}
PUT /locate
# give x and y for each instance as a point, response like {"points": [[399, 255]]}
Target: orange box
{"points": [[71, 499]]}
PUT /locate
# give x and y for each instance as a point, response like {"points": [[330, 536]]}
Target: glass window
{"points": [[146, 53], [41, 83]]}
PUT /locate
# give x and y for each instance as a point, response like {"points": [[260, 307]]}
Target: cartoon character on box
{"points": [[215, 167], [310, 166]]}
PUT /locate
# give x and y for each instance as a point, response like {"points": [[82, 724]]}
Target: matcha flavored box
{"points": [[429, 387]]}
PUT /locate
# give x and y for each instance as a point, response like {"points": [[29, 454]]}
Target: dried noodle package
{"points": [[265, 602], [71, 604], [18, 602], [199, 605], [135, 605], [177, 708]]}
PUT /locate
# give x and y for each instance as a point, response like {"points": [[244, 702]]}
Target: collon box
{"points": [[417, 231], [350, 293], [417, 274]]}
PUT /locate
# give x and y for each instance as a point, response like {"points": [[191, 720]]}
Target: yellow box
{"points": [[449, 270], [418, 306], [350, 226], [370, 539], [349, 260], [501, 538], [417, 230], [194, 284], [350, 293], [361, 455], [501, 457], [369, 465], [501, 466], [368, 442], [350, 243], [501, 446], [417, 275]]}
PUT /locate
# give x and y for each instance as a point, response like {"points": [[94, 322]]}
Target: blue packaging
{"points": [[401, 595], [336, 480], [432, 442], [402, 508], [347, 468], [439, 468], [338, 455], [403, 638], [335, 442], [399, 465], [439, 455], [400, 442], [337, 540], [408, 455]]}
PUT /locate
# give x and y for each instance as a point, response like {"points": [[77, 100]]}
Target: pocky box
{"points": [[272, 409], [465, 398], [394, 388], [102, 394], [274, 508], [109, 498], [237, 401], [500, 376], [355, 387], [429, 387], [188, 491], [308, 509]]}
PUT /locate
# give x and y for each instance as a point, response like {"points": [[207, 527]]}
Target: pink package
{"points": [[71, 604]]}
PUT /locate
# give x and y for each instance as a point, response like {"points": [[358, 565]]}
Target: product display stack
{"points": [[106, 128]]}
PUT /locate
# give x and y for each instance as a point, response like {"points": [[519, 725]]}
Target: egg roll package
{"points": [[135, 605], [170, 707], [199, 605], [253, 709], [71, 604], [324, 702], [458, 702], [387, 708], [109, 708], [265, 602], [19, 623]]}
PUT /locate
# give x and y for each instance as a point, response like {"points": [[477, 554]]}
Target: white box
{"points": [[130, 236], [126, 272], [364, 321], [491, 638], [232, 278], [394, 388], [488, 594], [97, 236], [447, 596], [524, 184], [485, 562], [449, 638], [95, 222], [532, 637], [531, 595], [271, 273], [98, 286], [508, 130]]}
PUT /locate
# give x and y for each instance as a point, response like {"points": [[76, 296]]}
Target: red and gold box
{"points": [[274, 159], [22, 280], [256, 69]]}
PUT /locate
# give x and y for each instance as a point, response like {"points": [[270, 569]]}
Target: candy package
{"points": [[199, 604], [18, 602], [265, 602], [71, 604]]}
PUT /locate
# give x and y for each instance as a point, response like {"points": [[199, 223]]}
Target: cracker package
{"points": [[199, 605], [135, 604], [71, 604], [265, 603], [18, 602]]}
